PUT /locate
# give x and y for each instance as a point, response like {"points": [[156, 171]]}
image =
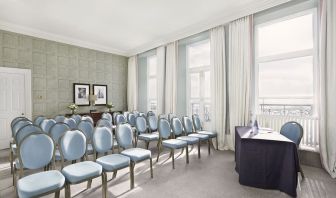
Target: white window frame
{"points": [[285, 56], [151, 77]]}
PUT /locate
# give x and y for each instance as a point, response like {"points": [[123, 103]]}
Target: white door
{"points": [[15, 99]]}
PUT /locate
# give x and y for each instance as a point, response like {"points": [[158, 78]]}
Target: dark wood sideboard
{"points": [[96, 115]]}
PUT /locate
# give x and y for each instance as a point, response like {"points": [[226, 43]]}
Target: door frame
{"points": [[27, 89]]}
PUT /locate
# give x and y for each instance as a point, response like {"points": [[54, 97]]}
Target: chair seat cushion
{"points": [[39, 183], [81, 171], [189, 139], [174, 143], [137, 154], [209, 133], [149, 136], [202, 137], [113, 162]]}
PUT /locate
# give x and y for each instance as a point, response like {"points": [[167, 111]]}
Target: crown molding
{"points": [[58, 38], [208, 24]]}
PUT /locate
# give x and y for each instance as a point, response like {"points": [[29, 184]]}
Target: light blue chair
{"points": [[136, 113], [87, 128], [172, 144], [124, 138], [140, 114], [59, 118], [125, 113], [170, 116], [72, 146], [18, 125], [152, 123], [47, 124], [131, 119], [293, 131], [199, 129], [104, 123], [177, 128], [39, 119], [71, 123], [141, 132], [18, 119], [188, 130], [107, 116], [103, 143], [114, 115], [56, 131], [163, 116], [76, 117], [150, 113], [120, 119], [86, 117], [37, 151]]}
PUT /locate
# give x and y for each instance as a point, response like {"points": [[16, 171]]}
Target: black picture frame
{"points": [[101, 92], [81, 94]]}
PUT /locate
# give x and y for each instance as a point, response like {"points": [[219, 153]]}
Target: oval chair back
{"points": [[87, 128], [141, 125], [71, 123], [25, 131], [57, 130], [141, 114], [293, 131], [177, 126], [152, 123], [104, 123], [124, 135], [197, 122], [76, 117], [38, 120], [163, 116], [150, 113], [170, 116], [126, 114], [187, 125], [102, 139], [72, 145], [36, 150], [114, 115], [59, 118], [131, 119], [47, 124], [15, 120], [136, 113], [164, 128], [18, 125], [107, 116], [88, 118], [120, 119]]}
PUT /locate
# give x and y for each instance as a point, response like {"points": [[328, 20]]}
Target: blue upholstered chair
{"points": [[120, 119], [152, 123], [76, 117], [293, 131], [104, 123], [107, 116], [125, 113], [131, 119], [38, 120], [150, 113], [102, 143], [170, 116], [172, 144], [71, 123], [114, 115], [163, 116], [47, 124], [87, 128], [177, 128], [59, 118], [136, 113], [199, 129], [35, 152], [141, 132], [72, 145], [56, 131], [86, 117], [18, 119], [124, 138], [18, 125], [188, 130]]}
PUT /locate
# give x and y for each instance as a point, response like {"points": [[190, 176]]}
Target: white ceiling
{"points": [[125, 27]]}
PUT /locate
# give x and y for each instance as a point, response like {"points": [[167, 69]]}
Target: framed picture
{"points": [[81, 94], [100, 91]]}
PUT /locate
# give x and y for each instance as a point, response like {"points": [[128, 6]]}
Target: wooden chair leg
{"points": [[104, 184], [217, 143], [89, 183], [67, 191], [182, 150], [11, 158], [159, 151], [151, 167], [173, 158], [147, 145], [209, 146], [57, 194], [114, 174], [132, 174], [199, 149], [302, 174], [187, 154]]}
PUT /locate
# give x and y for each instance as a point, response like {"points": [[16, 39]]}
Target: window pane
{"points": [[194, 85], [286, 36], [195, 108], [207, 86], [287, 81], [152, 64], [152, 88], [199, 54]]}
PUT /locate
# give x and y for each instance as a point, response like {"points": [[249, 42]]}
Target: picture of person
{"points": [[82, 93]]}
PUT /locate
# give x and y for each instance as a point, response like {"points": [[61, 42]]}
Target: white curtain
{"points": [[161, 58], [171, 78], [328, 85], [218, 84], [132, 93], [239, 74]]}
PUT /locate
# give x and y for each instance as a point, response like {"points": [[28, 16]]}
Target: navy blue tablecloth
{"points": [[264, 163]]}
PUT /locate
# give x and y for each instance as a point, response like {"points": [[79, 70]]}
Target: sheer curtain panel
{"points": [[171, 78], [132, 93], [161, 58]]}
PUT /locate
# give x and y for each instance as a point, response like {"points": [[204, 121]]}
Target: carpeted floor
{"points": [[211, 176]]}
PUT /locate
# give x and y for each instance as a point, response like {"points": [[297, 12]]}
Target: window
{"points": [[152, 83], [198, 77], [285, 65]]}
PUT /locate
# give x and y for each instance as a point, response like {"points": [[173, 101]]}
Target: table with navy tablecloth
{"points": [[266, 160]]}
